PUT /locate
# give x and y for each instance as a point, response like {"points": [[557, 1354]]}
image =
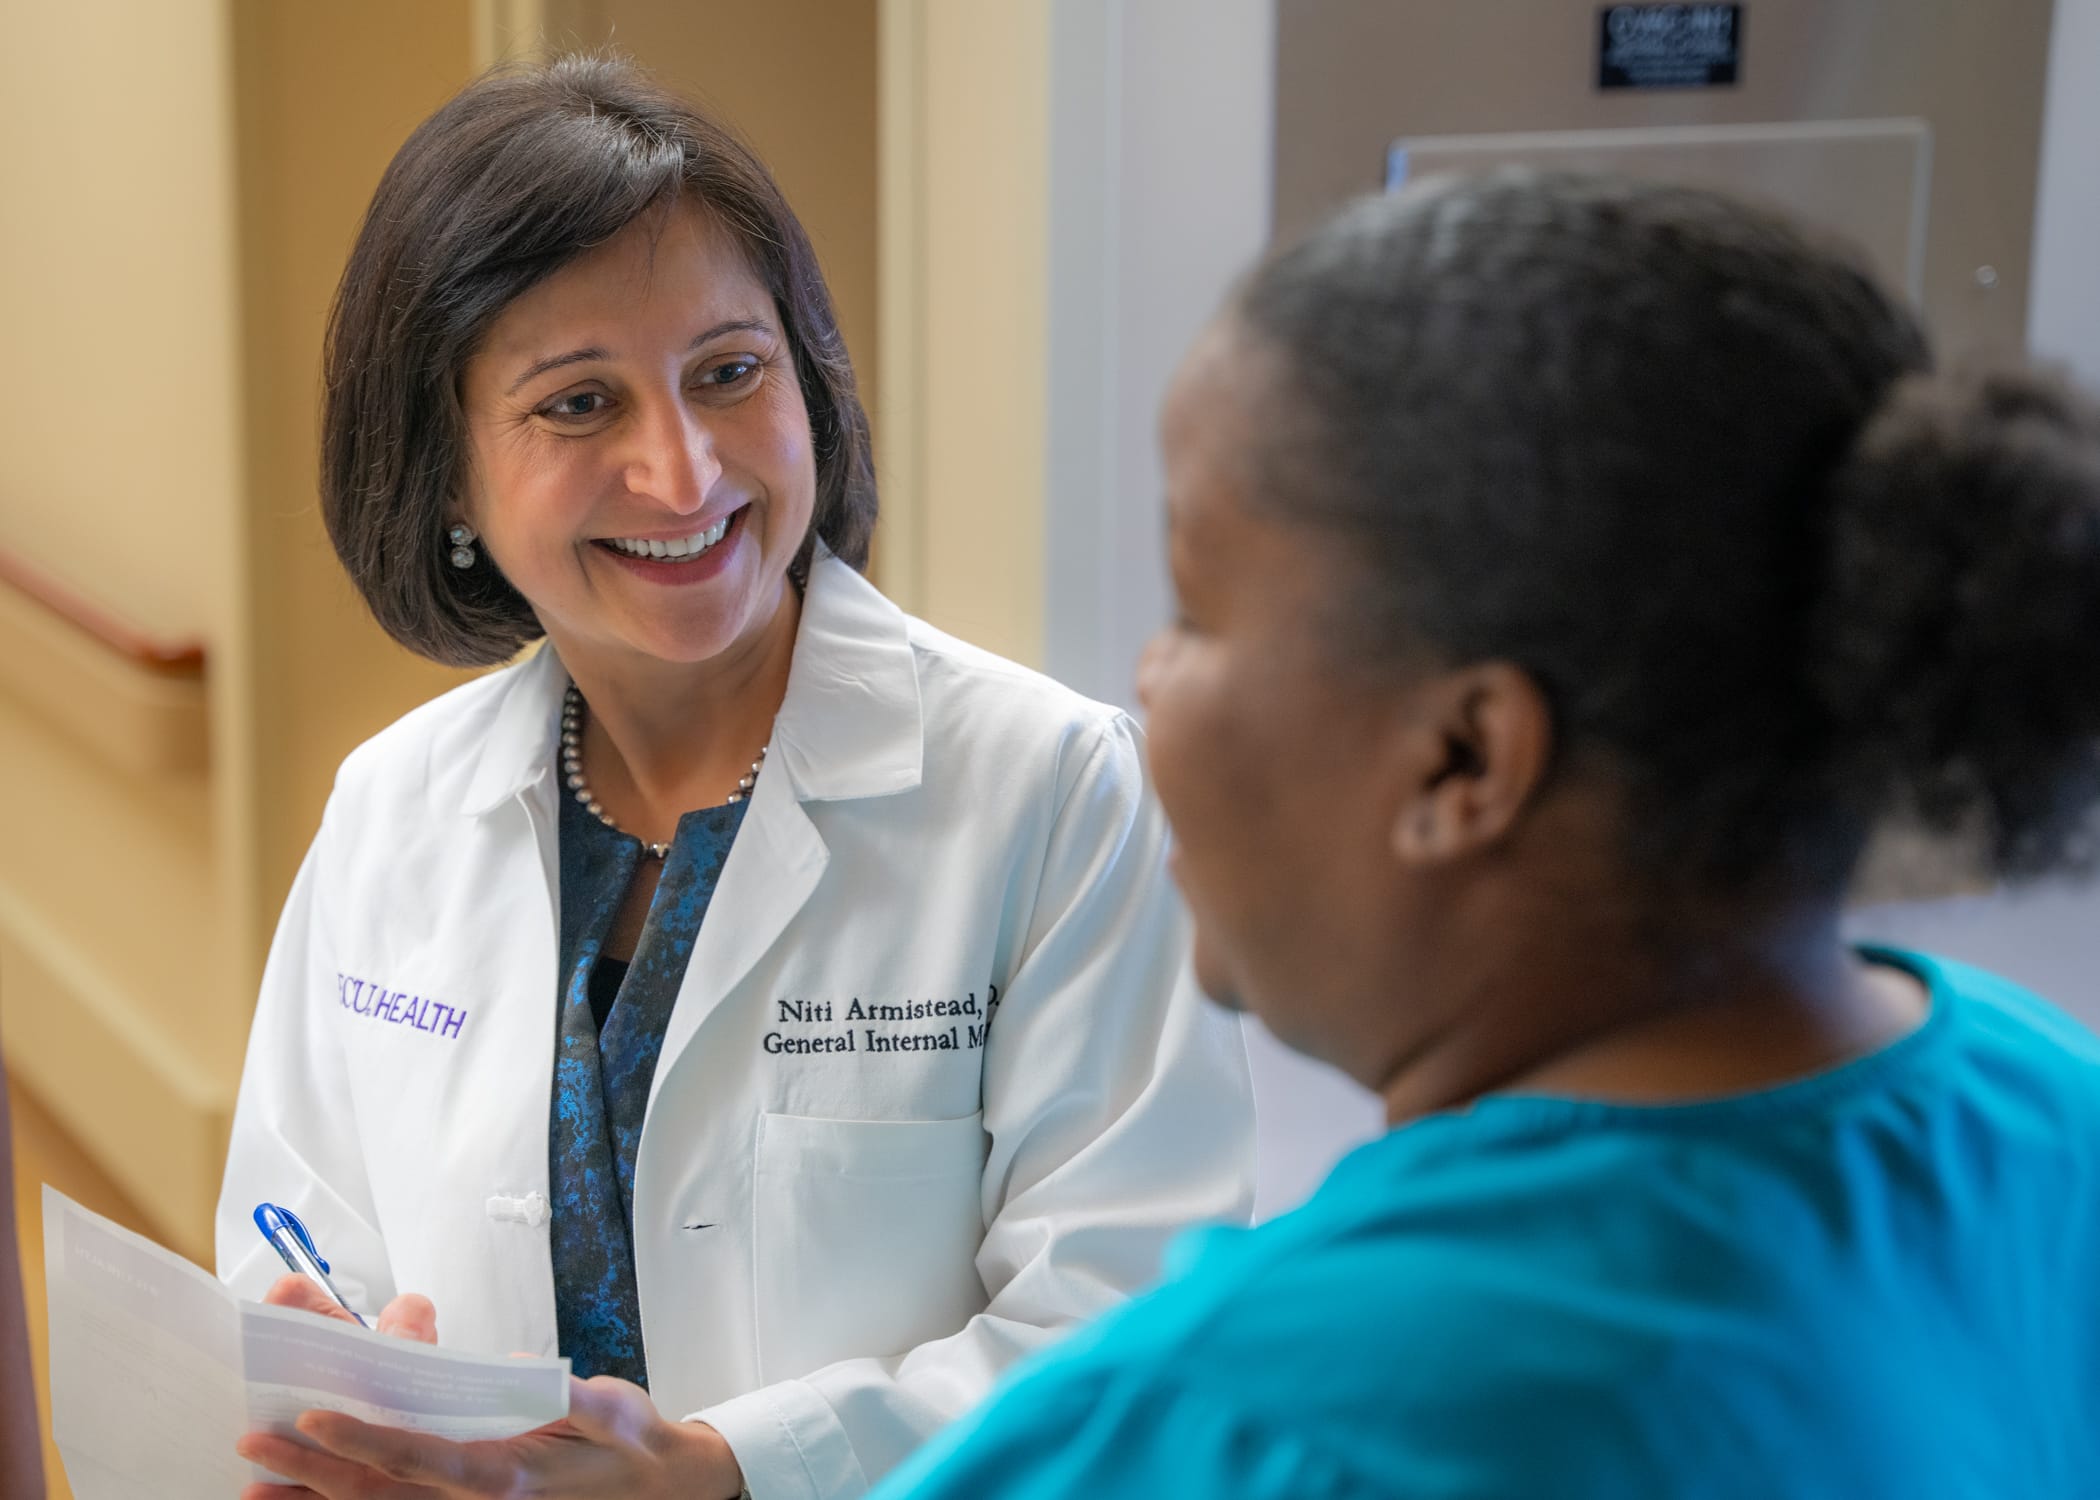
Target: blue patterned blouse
{"points": [[611, 1026]]}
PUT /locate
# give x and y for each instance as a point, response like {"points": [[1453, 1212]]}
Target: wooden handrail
{"points": [[167, 658]]}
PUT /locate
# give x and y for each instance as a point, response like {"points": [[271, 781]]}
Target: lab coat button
{"points": [[530, 1210]]}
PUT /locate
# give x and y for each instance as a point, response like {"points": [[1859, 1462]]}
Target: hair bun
{"points": [[1957, 644]]}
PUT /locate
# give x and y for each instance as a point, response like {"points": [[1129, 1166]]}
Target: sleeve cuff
{"points": [[789, 1443]]}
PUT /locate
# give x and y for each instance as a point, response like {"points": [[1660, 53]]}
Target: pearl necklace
{"points": [[572, 769]]}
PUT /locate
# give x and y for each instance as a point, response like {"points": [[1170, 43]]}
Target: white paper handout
{"points": [[156, 1370]]}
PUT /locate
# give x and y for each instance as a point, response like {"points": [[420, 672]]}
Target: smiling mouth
{"points": [[673, 549]]}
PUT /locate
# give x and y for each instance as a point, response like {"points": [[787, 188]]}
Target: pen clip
{"points": [[270, 1218]]}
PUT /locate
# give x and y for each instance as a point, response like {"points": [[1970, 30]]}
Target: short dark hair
{"points": [[521, 172], [1689, 466]]}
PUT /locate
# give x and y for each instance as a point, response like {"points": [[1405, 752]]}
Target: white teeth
{"points": [[677, 547]]}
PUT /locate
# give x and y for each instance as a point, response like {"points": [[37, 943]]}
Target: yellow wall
{"points": [[325, 94], [965, 306], [170, 249], [120, 475], [118, 447], [964, 204]]}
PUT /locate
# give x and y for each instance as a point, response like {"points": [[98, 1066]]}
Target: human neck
{"points": [[664, 737], [1597, 1004]]}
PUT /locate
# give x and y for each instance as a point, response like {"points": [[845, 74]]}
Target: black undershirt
{"points": [[606, 975]]}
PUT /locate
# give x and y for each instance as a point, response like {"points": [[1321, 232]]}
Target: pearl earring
{"points": [[462, 537]]}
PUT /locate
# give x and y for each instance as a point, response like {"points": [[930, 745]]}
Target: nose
{"points": [[671, 458]]}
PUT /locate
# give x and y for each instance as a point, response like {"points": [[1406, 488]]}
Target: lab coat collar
{"points": [[849, 727], [517, 747]]}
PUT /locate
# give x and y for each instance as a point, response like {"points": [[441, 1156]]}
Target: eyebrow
{"points": [[580, 356]]}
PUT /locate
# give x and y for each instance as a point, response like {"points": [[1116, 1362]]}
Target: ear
{"points": [[1480, 742]]}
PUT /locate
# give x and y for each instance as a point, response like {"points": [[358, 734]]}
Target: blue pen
{"points": [[281, 1227]]}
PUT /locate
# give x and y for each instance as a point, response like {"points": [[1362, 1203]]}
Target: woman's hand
{"points": [[614, 1445], [406, 1317]]}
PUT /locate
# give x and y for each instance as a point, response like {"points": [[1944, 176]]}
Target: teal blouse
{"points": [[611, 1027]]}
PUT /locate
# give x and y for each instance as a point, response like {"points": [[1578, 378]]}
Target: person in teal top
{"points": [[1863, 1283], [1571, 576]]}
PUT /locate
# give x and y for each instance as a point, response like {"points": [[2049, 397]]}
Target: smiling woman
{"points": [[651, 490], [513, 182], [584, 385]]}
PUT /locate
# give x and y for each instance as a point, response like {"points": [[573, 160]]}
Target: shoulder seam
{"points": [[1096, 751], [930, 640]]}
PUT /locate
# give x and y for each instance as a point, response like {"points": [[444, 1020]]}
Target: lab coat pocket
{"points": [[867, 1234]]}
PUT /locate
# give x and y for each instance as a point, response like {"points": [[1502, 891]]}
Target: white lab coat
{"points": [[836, 1250]]}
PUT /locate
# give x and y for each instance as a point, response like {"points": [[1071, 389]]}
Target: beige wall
{"points": [[325, 95], [118, 458], [120, 476], [965, 200], [171, 256]]}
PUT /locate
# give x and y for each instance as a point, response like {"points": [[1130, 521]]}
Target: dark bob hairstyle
{"points": [[523, 171]]}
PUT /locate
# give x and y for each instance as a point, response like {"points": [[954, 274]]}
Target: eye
{"points": [[575, 406], [730, 374]]}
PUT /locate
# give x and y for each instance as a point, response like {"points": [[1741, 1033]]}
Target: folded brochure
{"points": [[157, 1369]]}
